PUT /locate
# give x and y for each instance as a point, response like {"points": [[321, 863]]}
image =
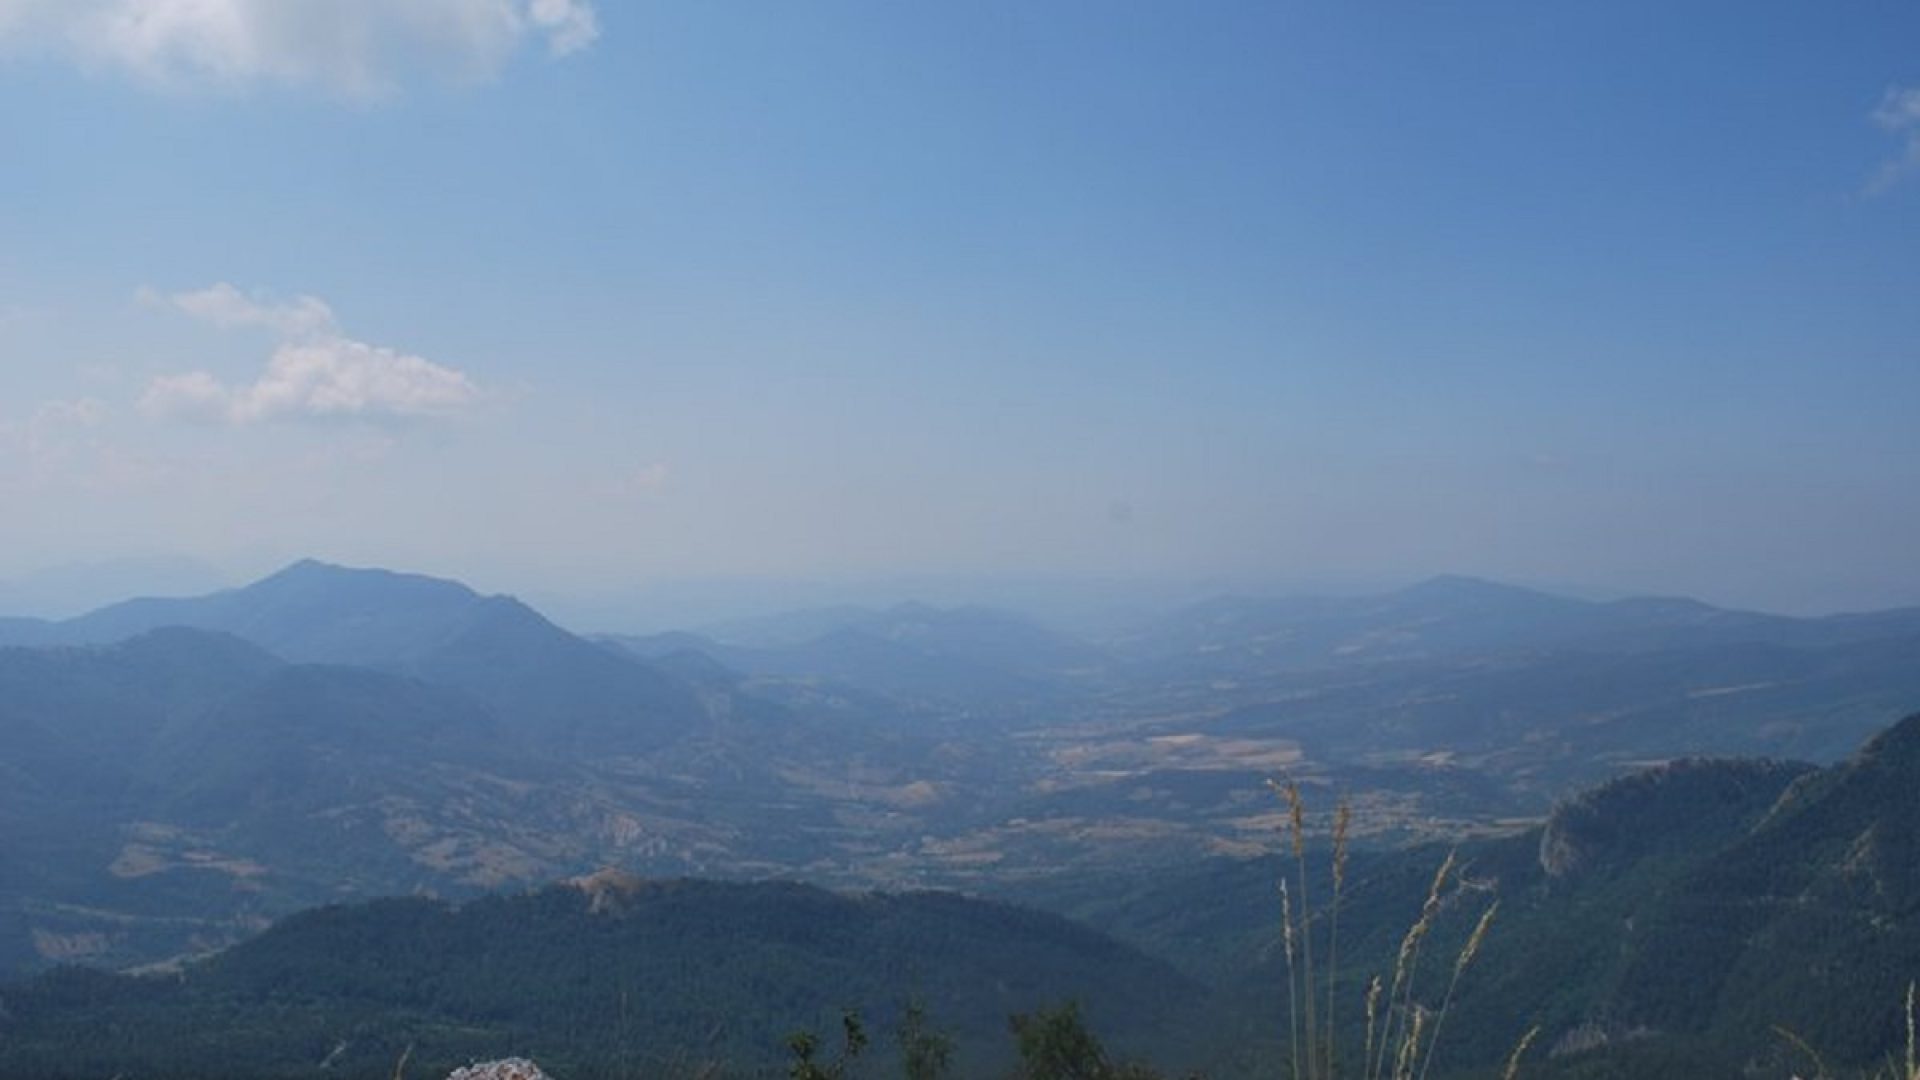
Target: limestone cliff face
{"points": [[1689, 804]]}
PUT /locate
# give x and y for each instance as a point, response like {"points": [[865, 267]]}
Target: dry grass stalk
{"points": [[1373, 1012], [1467, 953], [1473, 943], [1819, 1063], [1405, 1026], [1297, 819], [1342, 828], [400, 1067], [1400, 998], [1409, 1052], [1293, 997], [1513, 1060], [1297, 835]]}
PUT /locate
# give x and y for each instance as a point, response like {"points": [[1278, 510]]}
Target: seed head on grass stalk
{"points": [[1467, 953], [1293, 1008], [1297, 814], [1373, 1012], [1297, 827], [1342, 824], [1403, 1061], [1513, 1060], [1400, 997]]}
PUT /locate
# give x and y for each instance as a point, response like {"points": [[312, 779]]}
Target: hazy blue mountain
{"points": [[310, 612], [888, 665], [1442, 616], [609, 976], [787, 627], [558, 687], [160, 793], [1546, 718], [914, 652], [78, 731], [308, 738], [540, 679], [79, 723], [165, 792], [22, 630], [1452, 617], [983, 635]]}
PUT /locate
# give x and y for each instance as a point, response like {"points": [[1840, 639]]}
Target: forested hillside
{"points": [[609, 976]]}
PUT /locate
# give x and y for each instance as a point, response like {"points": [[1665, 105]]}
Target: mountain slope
{"points": [[542, 681], [1451, 617], [310, 612], [1661, 924], [162, 795], [556, 688], [1812, 920], [610, 973], [78, 726]]}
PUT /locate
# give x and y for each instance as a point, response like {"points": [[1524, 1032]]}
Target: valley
{"points": [[181, 771]]}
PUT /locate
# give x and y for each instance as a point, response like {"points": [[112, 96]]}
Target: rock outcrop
{"points": [[504, 1069]]}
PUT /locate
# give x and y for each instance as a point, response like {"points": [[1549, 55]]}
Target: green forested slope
{"points": [[616, 977]]}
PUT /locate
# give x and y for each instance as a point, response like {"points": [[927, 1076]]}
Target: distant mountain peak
{"points": [[311, 571], [1456, 581], [304, 569], [1464, 586]]}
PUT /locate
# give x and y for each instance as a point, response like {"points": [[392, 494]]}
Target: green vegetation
{"points": [[615, 977], [1608, 916], [1660, 925]]}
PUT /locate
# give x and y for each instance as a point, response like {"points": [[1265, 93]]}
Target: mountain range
{"points": [[175, 774]]}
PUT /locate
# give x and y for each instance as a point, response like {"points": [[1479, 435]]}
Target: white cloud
{"points": [[225, 306], [570, 25], [357, 47], [193, 395], [1899, 113], [316, 371]]}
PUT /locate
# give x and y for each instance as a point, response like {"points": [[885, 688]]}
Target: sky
{"points": [[566, 297]]}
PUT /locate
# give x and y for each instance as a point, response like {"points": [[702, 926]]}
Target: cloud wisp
{"points": [[358, 48], [1899, 113], [316, 371]]}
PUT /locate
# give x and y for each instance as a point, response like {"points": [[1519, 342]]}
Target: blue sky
{"points": [[565, 297]]}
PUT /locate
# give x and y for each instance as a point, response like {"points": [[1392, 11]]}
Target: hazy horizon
{"points": [[1082, 605], [590, 303]]}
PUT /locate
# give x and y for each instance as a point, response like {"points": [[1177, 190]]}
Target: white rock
{"points": [[504, 1069]]}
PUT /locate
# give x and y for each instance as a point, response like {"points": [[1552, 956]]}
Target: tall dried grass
{"points": [[1401, 1041]]}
